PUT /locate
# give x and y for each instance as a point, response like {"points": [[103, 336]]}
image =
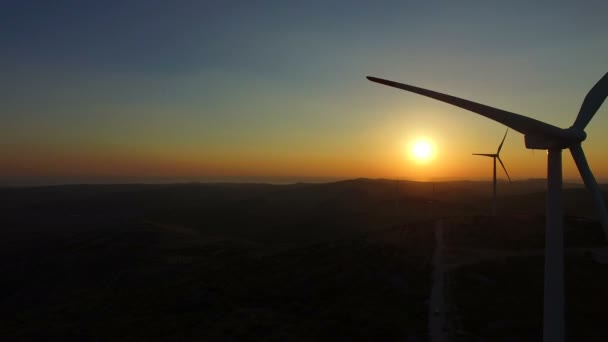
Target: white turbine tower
{"points": [[495, 156], [543, 136]]}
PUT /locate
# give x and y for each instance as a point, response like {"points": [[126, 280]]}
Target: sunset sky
{"points": [[111, 91]]}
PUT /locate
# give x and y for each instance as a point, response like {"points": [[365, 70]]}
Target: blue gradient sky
{"points": [[189, 90]]}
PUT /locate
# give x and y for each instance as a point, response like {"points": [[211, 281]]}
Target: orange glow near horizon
{"points": [[372, 160], [400, 146]]}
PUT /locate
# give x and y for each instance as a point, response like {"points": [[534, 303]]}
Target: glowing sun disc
{"points": [[422, 150]]}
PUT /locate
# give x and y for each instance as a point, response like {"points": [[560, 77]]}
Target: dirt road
{"points": [[437, 319]]}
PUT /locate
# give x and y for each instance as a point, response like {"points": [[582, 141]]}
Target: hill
{"points": [[341, 260]]}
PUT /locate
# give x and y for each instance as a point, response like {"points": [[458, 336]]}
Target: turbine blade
{"points": [[504, 168], [502, 142], [520, 123], [484, 154], [591, 184], [593, 101]]}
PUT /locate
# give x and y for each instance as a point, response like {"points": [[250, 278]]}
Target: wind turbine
{"points": [[496, 156], [543, 136]]}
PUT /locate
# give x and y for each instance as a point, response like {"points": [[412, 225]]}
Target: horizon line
{"points": [[277, 180]]}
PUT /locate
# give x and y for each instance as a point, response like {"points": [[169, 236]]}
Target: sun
{"points": [[422, 150]]}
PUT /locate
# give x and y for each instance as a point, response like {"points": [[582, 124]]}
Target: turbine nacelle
{"points": [[568, 137]]}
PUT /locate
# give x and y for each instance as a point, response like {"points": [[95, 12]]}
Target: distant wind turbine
{"points": [[543, 136], [495, 156]]}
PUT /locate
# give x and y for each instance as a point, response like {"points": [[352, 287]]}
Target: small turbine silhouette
{"points": [[495, 156]]}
